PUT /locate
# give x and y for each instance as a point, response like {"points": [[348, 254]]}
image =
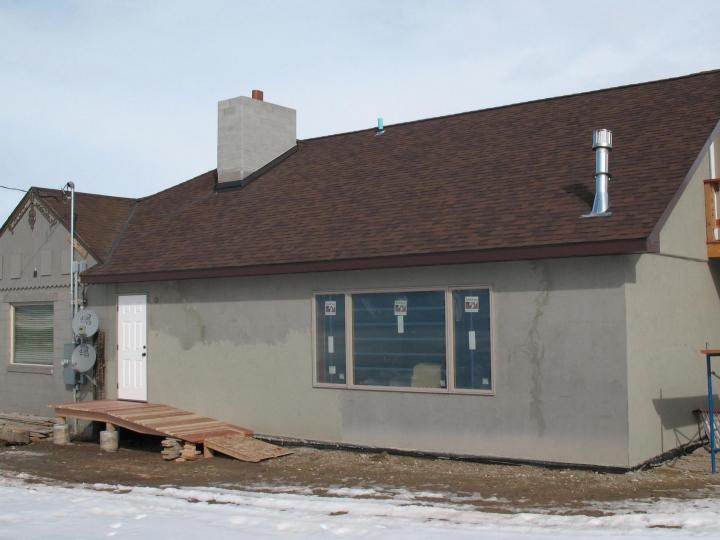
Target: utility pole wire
{"points": [[14, 189]]}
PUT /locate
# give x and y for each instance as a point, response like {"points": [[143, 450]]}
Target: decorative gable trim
{"points": [[29, 206]]}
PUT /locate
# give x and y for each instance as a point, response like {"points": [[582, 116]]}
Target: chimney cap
{"points": [[257, 94]]}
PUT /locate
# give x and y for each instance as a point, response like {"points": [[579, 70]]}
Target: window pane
{"points": [[33, 334], [471, 318], [399, 339], [330, 334]]}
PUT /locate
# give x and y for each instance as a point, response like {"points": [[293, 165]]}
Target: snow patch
{"points": [[37, 510]]}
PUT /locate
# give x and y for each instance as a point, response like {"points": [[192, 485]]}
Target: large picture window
{"points": [[431, 340], [399, 339], [33, 334]]}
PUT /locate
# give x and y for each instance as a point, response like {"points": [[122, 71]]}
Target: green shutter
{"points": [[33, 334]]}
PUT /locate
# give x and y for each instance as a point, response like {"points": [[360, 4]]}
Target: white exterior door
{"points": [[132, 347]]}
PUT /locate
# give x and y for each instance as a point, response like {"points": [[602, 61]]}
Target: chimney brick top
{"points": [[257, 94]]}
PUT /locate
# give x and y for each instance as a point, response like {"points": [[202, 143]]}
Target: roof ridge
{"points": [[86, 193], [517, 104], [174, 186]]}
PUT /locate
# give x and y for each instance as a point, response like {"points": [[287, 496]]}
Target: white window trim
{"points": [[19, 366], [449, 342]]}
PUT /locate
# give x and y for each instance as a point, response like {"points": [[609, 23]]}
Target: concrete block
{"points": [[15, 436], [109, 441], [61, 434]]}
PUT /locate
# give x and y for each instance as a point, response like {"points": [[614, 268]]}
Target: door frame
{"points": [[117, 344]]}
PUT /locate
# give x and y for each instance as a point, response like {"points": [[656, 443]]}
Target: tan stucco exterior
{"points": [[41, 244], [240, 350], [673, 310]]}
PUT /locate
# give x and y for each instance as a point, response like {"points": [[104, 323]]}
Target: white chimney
{"points": [[251, 134]]}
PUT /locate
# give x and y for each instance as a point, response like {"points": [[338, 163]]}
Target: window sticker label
{"points": [[400, 308], [401, 324], [471, 340], [330, 308], [472, 304], [331, 345], [331, 370]]}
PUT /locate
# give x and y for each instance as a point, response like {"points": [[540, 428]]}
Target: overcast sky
{"points": [[121, 97]]}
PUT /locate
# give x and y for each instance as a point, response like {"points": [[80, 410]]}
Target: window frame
{"points": [[12, 362], [449, 341], [314, 351]]}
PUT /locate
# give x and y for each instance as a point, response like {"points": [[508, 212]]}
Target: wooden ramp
{"points": [[166, 421]]}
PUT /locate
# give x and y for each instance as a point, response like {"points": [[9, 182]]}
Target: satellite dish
{"points": [[83, 358], [85, 323]]}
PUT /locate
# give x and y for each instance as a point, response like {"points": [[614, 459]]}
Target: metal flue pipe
{"points": [[602, 144]]}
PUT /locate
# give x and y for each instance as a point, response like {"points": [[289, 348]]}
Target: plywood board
{"points": [[245, 448]]}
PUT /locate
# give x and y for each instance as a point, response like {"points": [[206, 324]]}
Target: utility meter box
{"points": [[69, 374]]}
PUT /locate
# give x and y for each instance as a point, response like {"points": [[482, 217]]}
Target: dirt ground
{"points": [[499, 488]]}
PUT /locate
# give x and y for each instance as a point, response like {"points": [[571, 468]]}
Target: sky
{"points": [[121, 96]]}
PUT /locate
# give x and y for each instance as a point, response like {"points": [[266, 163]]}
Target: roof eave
{"points": [[584, 249]]}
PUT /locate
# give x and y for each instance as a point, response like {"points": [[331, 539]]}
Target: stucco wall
{"points": [[29, 389], [673, 309], [240, 350], [684, 234]]}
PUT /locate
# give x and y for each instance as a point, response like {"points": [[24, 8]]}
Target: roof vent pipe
{"points": [[602, 144], [380, 127]]}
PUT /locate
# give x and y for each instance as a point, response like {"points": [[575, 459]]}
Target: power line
{"points": [[14, 189]]}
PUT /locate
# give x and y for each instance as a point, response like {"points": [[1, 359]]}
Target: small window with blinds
{"points": [[33, 334]]}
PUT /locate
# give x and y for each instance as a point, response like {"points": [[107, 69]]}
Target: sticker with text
{"points": [[330, 308], [472, 304], [400, 308]]}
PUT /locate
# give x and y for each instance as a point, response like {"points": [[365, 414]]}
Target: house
{"points": [[435, 286], [35, 290]]}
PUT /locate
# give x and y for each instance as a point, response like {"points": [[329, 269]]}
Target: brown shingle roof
{"points": [[502, 183], [99, 219]]}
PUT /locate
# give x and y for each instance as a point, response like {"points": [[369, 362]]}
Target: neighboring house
{"points": [[433, 286], [34, 290]]}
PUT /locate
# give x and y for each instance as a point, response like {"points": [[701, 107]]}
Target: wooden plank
{"points": [[203, 436], [245, 448], [710, 211], [149, 416], [713, 250], [102, 417], [182, 424], [146, 410], [212, 431], [200, 426], [201, 429], [178, 419]]}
